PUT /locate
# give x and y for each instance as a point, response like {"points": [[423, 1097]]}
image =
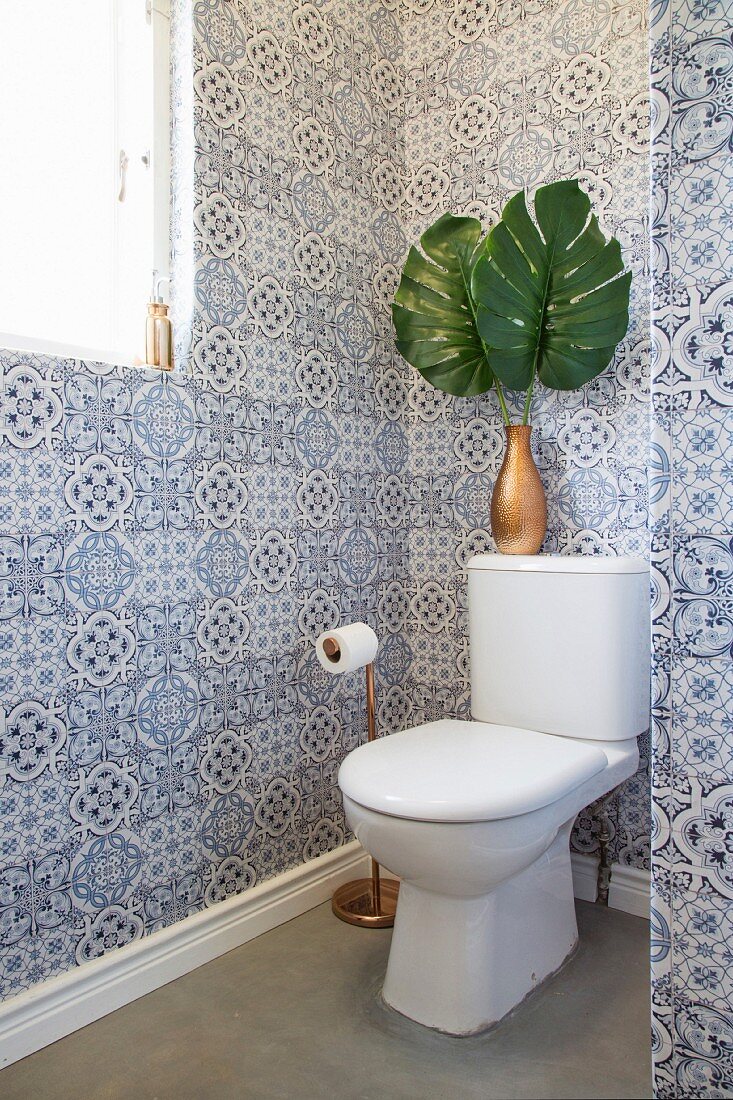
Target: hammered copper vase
{"points": [[518, 505]]}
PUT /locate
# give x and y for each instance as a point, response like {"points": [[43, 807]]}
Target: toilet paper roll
{"points": [[357, 646]]}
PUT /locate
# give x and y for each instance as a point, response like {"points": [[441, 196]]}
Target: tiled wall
{"points": [[499, 97], [169, 548], [692, 74]]}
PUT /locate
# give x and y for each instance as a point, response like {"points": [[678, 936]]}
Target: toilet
{"points": [[475, 816]]}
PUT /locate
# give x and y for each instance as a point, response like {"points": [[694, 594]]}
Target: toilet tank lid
{"points": [[558, 563]]}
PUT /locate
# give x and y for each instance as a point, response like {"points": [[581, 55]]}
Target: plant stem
{"points": [[528, 402], [502, 402]]}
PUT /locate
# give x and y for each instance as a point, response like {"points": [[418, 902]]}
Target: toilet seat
{"points": [[466, 771]]}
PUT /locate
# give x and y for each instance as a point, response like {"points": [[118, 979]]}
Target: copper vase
{"points": [[518, 505]]}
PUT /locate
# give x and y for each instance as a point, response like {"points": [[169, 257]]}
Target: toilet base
{"points": [[459, 965]]}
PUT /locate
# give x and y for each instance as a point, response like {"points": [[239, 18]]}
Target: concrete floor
{"points": [[296, 1014]]}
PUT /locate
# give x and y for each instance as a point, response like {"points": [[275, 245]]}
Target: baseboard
{"points": [[630, 888], [585, 876], [55, 1008]]}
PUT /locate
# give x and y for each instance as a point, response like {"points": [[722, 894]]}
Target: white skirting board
{"points": [[630, 888], [55, 1008]]}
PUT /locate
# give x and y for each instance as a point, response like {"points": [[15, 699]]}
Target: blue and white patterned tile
{"points": [[32, 739], [701, 952], [665, 1081], [98, 491], [31, 490], [226, 759], [698, 17], [228, 821], [31, 577], [172, 846], [102, 724], [35, 958], [703, 471], [169, 779], [228, 877], [35, 812], [701, 347], [702, 225], [164, 495], [163, 566], [173, 900], [703, 596], [272, 497], [97, 410], [691, 393], [220, 361], [633, 830], [702, 713], [101, 648], [99, 570], [32, 658], [222, 562], [225, 697], [163, 426], [110, 929], [221, 427], [105, 797], [703, 1039], [32, 406], [166, 638], [700, 830], [698, 98], [168, 710], [105, 871]]}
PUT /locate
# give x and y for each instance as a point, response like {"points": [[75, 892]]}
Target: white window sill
{"points": [[20, 345]]}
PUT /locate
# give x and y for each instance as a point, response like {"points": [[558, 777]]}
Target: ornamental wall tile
{"points": [[32, 406], [703, 441], [47, 954], [703, 596], [701, 955], [702, 705], [32, 657], [31, 490], [702, 837]]}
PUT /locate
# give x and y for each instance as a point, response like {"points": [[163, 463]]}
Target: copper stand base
{"points": [[354, 903]]}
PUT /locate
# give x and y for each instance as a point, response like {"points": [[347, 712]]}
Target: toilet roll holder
{"points": [[367, 902]]}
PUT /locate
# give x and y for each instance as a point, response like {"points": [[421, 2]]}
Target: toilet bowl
{"points": [[475, 817], [475, 820]]}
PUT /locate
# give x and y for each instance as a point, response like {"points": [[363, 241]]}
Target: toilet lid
{"points": [[466, 771]]}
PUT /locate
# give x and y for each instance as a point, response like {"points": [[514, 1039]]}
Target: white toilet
{"points": [[475, 817]]}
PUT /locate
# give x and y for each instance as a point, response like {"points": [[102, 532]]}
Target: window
{"points": [[84, 171]]}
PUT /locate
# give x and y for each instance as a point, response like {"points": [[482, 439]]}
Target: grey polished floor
{"points": [[296, 1014]]}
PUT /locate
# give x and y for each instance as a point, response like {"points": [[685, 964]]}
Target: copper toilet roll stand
{"points": [[368, 902]]}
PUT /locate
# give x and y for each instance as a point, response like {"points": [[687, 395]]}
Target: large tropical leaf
{"points": [[550, 296], [433, 313]]}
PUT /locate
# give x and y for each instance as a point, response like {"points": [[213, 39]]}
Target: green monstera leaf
{"points": [[433, 312], [550, 297]]}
